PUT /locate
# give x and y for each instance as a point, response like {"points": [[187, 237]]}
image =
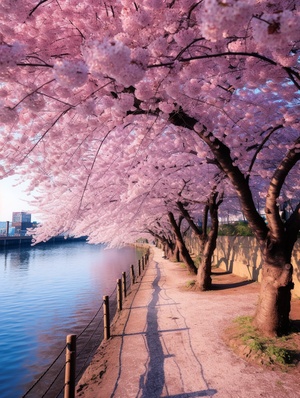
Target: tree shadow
{"points": [[195, 394], [152, 382], [221, 273], [225, 258], [295, 325], [242, 250], [223, 286], [155, 377]]}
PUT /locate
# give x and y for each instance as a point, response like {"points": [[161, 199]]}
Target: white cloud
{"points": [[12, 198]]}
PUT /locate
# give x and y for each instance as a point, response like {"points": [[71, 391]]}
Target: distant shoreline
{"points": [[17, 241]]}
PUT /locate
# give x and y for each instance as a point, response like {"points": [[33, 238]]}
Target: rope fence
{"points": [[59, 379]]}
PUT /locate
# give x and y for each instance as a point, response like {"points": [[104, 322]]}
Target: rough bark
{"points": [[272, 312], [184, 253], [272, 315], [207, 241], [204, 271], [176, 255], [172, 252]]}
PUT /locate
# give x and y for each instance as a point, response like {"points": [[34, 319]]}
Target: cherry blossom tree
{"points": [[207, 240], [87, 87]]}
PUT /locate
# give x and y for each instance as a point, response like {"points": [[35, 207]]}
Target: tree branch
{"points": [[290, 72], [240, 183], [189, 219], [37, 6], [35, 91], [260, 147], [275, 222]]}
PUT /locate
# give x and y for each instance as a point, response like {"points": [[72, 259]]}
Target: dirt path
{"points": [[167, 342]]}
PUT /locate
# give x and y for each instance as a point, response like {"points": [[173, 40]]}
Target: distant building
{"points": [[4, 228], [21, 221]]}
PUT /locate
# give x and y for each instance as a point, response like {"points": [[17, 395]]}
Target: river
{"points": [[47, 292]]}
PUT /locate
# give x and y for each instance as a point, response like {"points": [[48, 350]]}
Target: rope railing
{"points": [[53, 381], [91, 321], [90, 339], [88, 355], [86, 342], [45, 372]]}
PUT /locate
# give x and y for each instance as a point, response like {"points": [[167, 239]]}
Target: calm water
{"points": [[46, 293]]}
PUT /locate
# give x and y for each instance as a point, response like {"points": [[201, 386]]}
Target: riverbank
{"points": [[48, 292], [168, 342], [21, 241]]}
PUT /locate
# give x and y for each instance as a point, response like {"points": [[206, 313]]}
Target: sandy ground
{"points": [[167, 342]]}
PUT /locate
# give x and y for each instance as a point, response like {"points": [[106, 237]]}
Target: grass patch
{"points": [[197, 261], [278, 352], [191, 283]]}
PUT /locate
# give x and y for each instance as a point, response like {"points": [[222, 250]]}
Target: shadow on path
{"points": [[155, 377], [152, 382], [222, 286], [195, 394]]}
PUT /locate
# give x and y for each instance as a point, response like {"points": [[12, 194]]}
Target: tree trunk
{"points": [[169, 247], [200, 233], [274, 303], [204, 270], [177, 254], [272, 312], [184, 253], [185, 257], [209, 245], [173, 252]]}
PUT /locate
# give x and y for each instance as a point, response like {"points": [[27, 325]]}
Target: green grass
{"points": [[197, 261], [277, 350], [239, 228], [278, 354], [190, 283]]}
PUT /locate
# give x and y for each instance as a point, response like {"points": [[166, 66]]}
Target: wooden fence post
{"points": [[119, 294], [70, 370], [132, 276], [143, 263], [124, 288], [106, 317]]}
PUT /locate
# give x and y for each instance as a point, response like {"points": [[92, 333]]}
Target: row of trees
{"points": [[140, 117]]}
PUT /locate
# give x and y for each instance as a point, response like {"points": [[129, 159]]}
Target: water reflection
{"points": [[5, 260], [48, 292], [20, 260]]}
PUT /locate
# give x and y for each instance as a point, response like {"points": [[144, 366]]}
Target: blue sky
{"points": [[12, 198]]}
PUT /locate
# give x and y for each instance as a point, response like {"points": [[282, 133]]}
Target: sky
{"points": [[12, 198]]}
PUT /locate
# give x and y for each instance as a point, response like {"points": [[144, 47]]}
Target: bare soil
{"points": [[226, 283], [173, 341]]}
